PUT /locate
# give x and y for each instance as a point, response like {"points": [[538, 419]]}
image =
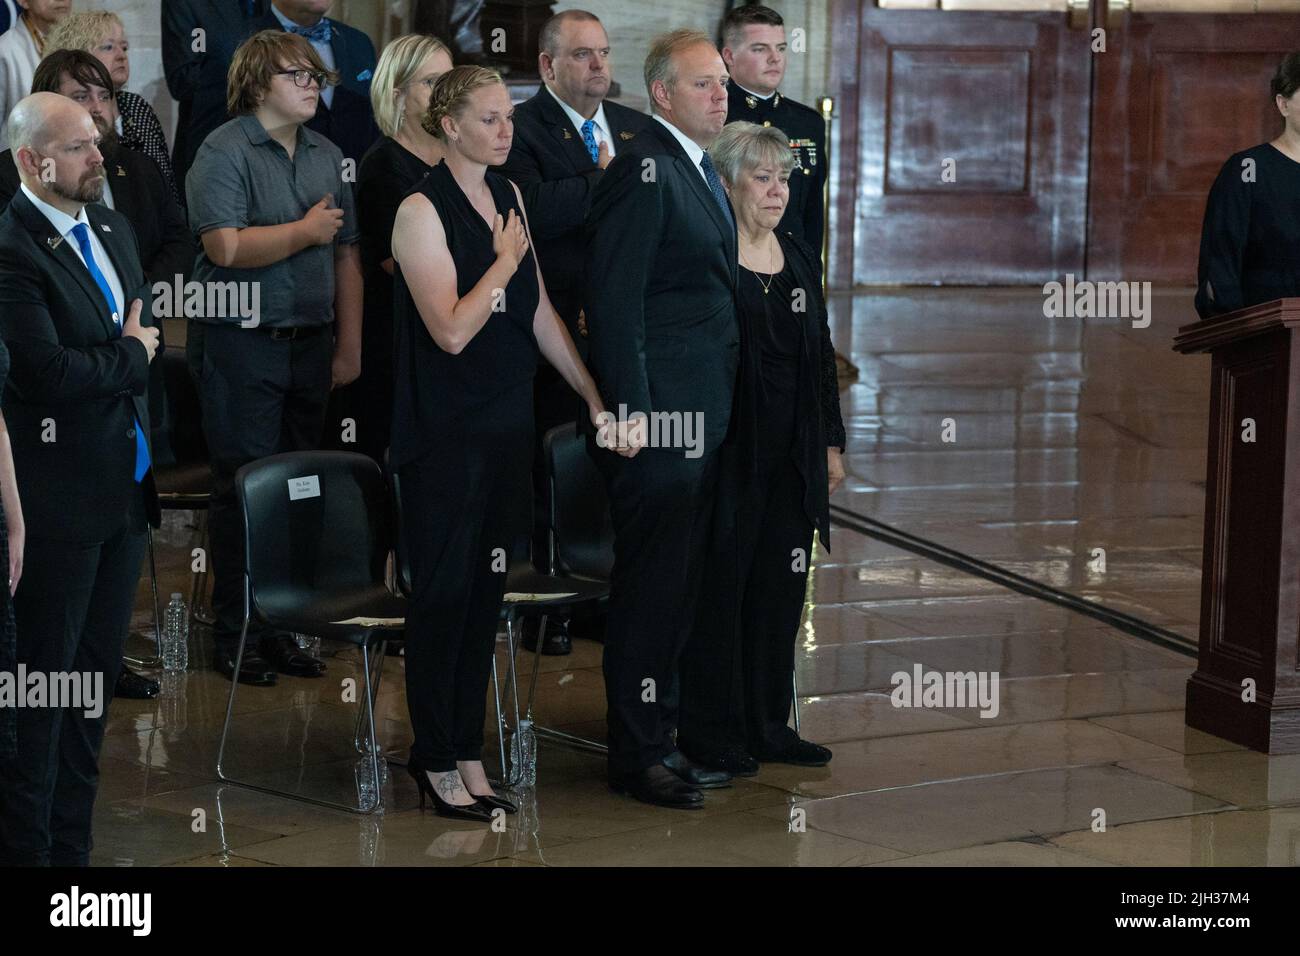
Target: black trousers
{"points": [[660, 502], [73, 610], [737, 670], [464, 508], [261, 396]]}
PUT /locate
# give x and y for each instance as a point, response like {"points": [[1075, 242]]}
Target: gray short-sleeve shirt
{"points": [[242, 177]]}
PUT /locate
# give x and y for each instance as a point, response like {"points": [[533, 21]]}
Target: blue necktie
{"points": [[320, 33], [715, 187], [82, 234], [589, 138]]}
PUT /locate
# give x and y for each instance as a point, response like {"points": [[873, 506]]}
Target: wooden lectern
{"points": [[1250, 574]]}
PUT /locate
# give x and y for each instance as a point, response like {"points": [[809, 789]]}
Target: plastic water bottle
{"points": [[523, 754], [175, 650]]}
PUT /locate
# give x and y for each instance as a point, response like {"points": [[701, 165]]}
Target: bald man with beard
{"points": [[72, 299]]}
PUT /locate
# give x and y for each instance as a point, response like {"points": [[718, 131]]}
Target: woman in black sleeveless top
{"points": [[470, 315]]}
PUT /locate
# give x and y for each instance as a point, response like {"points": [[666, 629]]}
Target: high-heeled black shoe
{"points": [[475, 811], [493, 802]]}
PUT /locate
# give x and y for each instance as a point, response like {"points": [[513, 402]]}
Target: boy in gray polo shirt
{"points": [[273, 214]]}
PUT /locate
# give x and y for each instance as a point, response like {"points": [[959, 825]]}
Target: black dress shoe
{"points": [[557, 644], [659, 786], [801, 753], [282, 653], [252, 669], [694, 775], [732, 760], [133, 686]]}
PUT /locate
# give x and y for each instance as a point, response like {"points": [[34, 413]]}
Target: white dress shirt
{"points": [[693, 149], [63, 224], [601, 129], [324, 49]]}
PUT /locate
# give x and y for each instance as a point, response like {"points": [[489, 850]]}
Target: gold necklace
{"points": [[771, 276]]}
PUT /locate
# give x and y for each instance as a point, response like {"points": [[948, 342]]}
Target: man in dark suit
{"points": [[344, 114], [135, 187], [664, 344], [73, 303], [565, 137], [754, 49], [198, 39]]}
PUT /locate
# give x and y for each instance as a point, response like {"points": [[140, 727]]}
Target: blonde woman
{"points": [[399, 94], [102, 35], [471, 316]]}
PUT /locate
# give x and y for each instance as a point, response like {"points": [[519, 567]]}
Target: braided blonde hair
{"points": [[450, 95]]}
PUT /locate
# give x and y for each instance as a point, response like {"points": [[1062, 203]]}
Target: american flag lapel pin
{"points": [[54, 241]]}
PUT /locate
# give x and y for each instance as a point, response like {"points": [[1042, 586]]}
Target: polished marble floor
{"points": [[1069, 436]]}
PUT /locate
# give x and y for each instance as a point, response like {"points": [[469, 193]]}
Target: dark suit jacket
{"points": [[188, 72], [72, 371], [142, 195], [349, 124], [661, 278], [554, 171]]}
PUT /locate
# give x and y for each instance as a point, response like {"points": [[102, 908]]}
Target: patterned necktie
{"points": [[320, 33], [715, 187], [589, 139], [82, 235]]}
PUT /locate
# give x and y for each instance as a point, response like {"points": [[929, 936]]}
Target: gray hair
{"points": [[659, 61], [744, 146], [549, 42]]}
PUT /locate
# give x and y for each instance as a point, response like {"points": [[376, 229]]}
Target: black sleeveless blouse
{"points": [[436, 393]]}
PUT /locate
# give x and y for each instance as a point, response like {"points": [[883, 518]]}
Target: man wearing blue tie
{"points": [[72, 295]]}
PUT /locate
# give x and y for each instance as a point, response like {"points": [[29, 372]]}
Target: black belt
{"points": [[294, 332]]}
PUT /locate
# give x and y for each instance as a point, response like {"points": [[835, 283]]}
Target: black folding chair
{"points": [[316, 542], [547, 594]]}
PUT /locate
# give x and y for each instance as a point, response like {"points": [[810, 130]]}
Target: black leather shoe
{"points": [[493, 802], [732, 760], [558, 643], [801, 753], [282, 653], [696, 776], [252, 669], [133, 686], [658, 786]]}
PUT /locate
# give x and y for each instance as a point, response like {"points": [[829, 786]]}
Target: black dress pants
{"points": [[737, 670], [73, 610], [660, 502], [261, 396], [465, 505]]}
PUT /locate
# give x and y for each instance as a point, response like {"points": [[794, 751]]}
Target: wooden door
{"points": [[1181, 87], [962, 142]]}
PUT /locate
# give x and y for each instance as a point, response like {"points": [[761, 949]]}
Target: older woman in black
{"points": [[1251, 233], [778, 469], [471, 314], [391, 168]]}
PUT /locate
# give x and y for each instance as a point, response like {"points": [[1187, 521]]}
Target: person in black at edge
{"points": [[754, 49], [779, 466], [565, 137], [389, 170], [1252, 227], [471, 315]]}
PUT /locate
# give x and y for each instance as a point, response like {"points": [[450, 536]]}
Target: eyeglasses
{"points": [[303, 78]]}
